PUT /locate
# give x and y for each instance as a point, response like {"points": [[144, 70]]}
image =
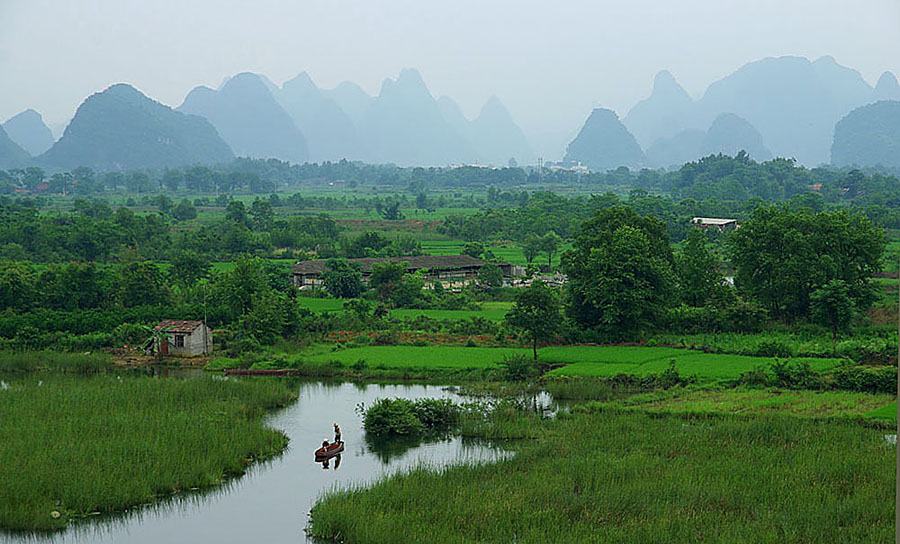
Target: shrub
{"points": [[516, 367], [772, 348], [385, 339], [405, 417], [359, 365], [868, 380]]}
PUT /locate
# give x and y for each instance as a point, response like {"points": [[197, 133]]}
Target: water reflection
{"points": [[327, 462]]}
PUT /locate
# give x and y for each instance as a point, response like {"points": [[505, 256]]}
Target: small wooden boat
{"points": [[261, 372], [330, 450]]}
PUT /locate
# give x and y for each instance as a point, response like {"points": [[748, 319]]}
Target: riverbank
{"points": [[74, 447], [625, 476]]}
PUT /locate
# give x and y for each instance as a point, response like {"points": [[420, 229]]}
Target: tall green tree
{"points": [[490, 275], [782, 255], [189, 267], [620, 273], [343, 279], [832, 306], [531, 246], [550, 243], [698, 271], [141, 283], [536, 313]]}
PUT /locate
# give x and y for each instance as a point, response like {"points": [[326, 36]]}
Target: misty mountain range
{"points": [[786, 106]]}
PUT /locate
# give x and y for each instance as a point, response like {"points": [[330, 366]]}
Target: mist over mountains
{"points": [[785, 106], [120, 129], [29, 131]]}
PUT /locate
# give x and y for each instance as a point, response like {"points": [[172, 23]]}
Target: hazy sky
{"points": [[549, 62]]}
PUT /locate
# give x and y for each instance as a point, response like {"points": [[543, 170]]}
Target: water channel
{"points": [[270, 503]]}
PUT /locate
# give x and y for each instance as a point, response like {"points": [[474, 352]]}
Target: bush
{"points": [[385, 339], [867, 380], [772, 348], [517, 368], [405, 417]]}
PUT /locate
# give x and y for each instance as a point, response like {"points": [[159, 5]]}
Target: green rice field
{"points": [[815, 404], [495, 311], [589, 361]]}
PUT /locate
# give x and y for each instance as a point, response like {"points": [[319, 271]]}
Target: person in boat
{"points": [[337, 433], [324, 442]]}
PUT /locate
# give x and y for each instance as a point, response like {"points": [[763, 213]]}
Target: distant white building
{"points": [[715, 223]]}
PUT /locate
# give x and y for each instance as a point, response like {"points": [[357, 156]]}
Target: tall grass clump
{"points": [[636, 478], [408, 417], [73, 446], [59, 361]]}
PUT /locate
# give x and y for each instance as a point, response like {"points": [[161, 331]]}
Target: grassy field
{"points": [[74, 446], [815, 404], [494, 311], [33, 361], [591, 361], [508, 253], [638, 478]]}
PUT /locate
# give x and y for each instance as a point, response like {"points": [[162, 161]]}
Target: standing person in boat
{"points": [[337, 433]]}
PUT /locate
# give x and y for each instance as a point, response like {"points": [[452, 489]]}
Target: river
{"points": [[271, 502]]}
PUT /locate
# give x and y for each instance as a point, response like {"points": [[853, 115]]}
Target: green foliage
{"points": [[576, 482], [343, 279], [781, 256], [620, 273], [698, 275], [490, 275], [34, 361], [536, 312], [517, 368], [141, 284], [407, 417], [832, 306], [473, 249], [188, 268]]}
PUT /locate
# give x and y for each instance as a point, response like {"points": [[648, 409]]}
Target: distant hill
{"points": [[868, 136], [677, 150], [330, 133], [497, 138], [887, 88], [494, 136], [11, 154], [404, 125], [29, 131], [791, 101], [249, 118], [351, 99], [120, 129], [666, 112], [729, 134], [604, 143]]}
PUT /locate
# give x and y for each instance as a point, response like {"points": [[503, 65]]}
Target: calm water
{"points": [[270, 504]]}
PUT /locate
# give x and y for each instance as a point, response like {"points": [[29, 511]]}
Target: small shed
{"points": [[189, 338]]}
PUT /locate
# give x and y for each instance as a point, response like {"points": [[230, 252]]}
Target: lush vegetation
{"points": [[103, 444], [630, 477]]}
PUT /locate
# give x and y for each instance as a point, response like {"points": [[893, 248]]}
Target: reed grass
{"points": [[73, 446], [58, 361], [635, 478]]}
